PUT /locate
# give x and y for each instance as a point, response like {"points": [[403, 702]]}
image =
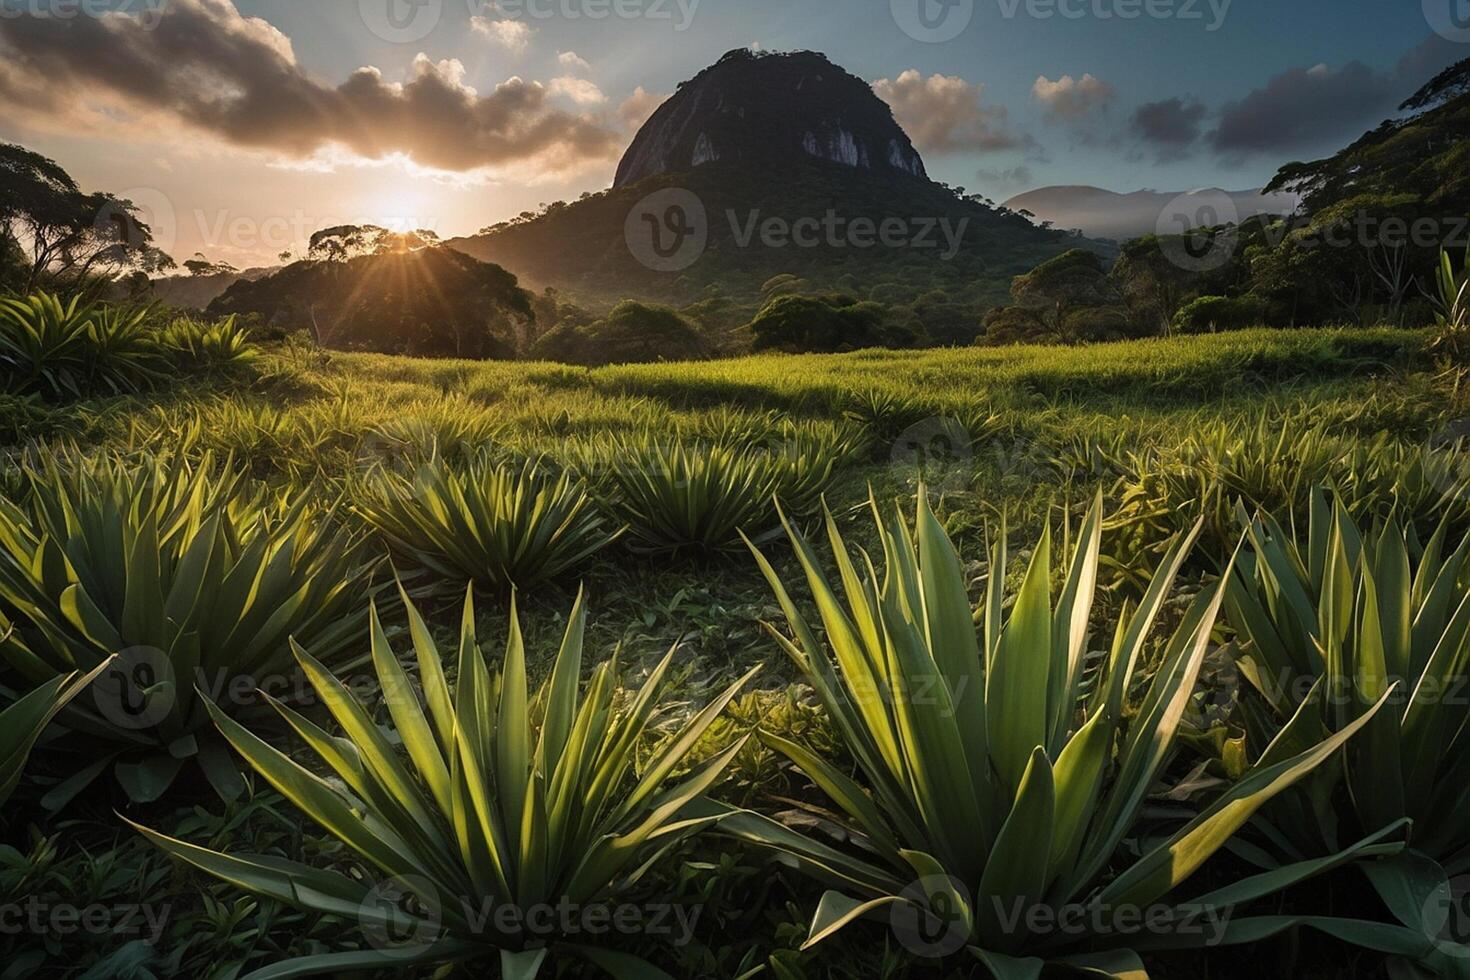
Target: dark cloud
{"points": [[1315, 109], [1170, 127], [205, 65]]}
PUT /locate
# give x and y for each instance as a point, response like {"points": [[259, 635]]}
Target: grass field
{"points": [[1008, 442]]}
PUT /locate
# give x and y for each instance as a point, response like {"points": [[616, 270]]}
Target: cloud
{"points": [[1009, 179], [579, 90], [571, 62], [636, 108], [946, 114], [1073, 98], [1171, 127], [1312, 109], [513, 35], [209, 68]]}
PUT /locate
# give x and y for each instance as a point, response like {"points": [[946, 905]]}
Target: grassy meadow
{"points": [[635, 484]]}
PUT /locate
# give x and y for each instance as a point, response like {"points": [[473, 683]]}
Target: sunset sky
{"points": [[242, 127]]}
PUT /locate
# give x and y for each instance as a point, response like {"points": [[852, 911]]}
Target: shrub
{"points": [[75, 350], [992, 786], [492, 523], [209, 347], [1330, 622], [633, 333], [800, 324], [1453, 309], [1210, 314], [194, 583], [690, 498], [505, 800]]}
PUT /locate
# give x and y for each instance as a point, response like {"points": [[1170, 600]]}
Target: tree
{"points": [[633, 333], [69, 234], [343, 242], [1152, 285], [433, 302], [1059, 286], [200, 266], [825, 323]]}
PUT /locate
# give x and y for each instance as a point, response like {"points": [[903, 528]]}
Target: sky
{"points": [[241, 126]]}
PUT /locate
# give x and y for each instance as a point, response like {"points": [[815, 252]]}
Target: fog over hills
{"points": [[1107, 214]]}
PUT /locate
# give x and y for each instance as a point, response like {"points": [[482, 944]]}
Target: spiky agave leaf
{"points": [[489, 522], [498, 799], [194, 584], [688, 497], [1358, 611], [998, 778], [24, 721]]}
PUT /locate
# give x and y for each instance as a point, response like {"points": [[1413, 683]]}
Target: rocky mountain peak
{"points": [[770, 112]]}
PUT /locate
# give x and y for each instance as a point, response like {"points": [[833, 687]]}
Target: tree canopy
{"points": [[66, 233]]}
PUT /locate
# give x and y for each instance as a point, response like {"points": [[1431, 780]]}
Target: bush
{"points": [[81, 350], [76, 350], [802, 324], [198, 583], [487, 522], [1211, 314], [1020, 799], [505, 801], [633, 333], [691, 498]]}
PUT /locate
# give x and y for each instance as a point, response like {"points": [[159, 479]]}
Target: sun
{"points": [[403, 207]]}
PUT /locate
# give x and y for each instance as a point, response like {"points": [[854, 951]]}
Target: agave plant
{"points": [[1350, 614], [505, 802], [22, 724], [1453, 304], [216, 347], [193, 584], [1002, 773], [76, 349], [495, 524], [683, 497], [42, 344]]}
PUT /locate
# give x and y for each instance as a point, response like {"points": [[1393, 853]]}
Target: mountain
{"points": [[197, 292], [1108, 214], [766, 166], [761, 112]]}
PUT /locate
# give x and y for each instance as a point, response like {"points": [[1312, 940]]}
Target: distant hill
{"points": [[757, 137], [1120, 217], [197, 292]]}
